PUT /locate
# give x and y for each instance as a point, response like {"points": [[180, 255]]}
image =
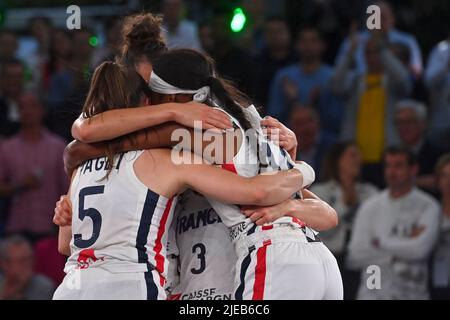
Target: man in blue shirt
{"points": [[393, 36], [306, 83]]}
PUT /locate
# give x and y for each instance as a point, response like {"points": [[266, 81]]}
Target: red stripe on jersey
{"points": [[298, 222], [267, 227], [260, 272], [176, 296], [159, 258], [229, 167], [85, 258]]}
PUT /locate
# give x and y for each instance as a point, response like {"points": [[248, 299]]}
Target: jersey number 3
{"points": [[92, 213], [200, 249]]}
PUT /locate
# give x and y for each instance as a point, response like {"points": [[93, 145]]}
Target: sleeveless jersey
{"points": [[205, 256], [256, 155], [118, 224]]}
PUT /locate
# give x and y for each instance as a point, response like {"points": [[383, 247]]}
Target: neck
{"points": [[310, 65], [279, 53], [32, 133], [347, 179], [400, 191], [375, 71]]}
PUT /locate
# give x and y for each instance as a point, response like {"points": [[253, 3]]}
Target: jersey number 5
{"points": [[92, 213]]}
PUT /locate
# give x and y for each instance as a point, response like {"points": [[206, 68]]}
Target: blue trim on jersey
{"points": [[152, 289], [244, 267], [252, 229], [151, 201]]}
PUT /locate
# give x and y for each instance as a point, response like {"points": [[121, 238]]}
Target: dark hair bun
{"points": [[141, 34]]}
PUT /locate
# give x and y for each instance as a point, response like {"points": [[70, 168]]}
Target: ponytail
{"points": [[113, 86], [230, 100]]}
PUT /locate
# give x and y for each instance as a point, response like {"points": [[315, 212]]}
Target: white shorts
{"points": [[100, 284], [280, 264]]}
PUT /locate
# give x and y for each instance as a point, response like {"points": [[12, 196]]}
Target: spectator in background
{"points": [[306, 83], [34, 50], [440, 284], [232, 63], [437, 80], [396, 231], [8, 45], [344, 191], [48, 261], [411, 125], [391, 35], [206, 37], [113, 28], [313, 143], [251, 38], [178, 32], [11, 88], [60, 55], [32, 172], [17, 279], [69, 86], [276, 54], [371, 97]]}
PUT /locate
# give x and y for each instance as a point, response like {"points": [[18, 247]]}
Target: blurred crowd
{"points": [[372, 116]]}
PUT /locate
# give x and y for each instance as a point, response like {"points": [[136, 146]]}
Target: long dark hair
{"points": [[331, 163], [189, 69], [141, 37], [113, 86]]}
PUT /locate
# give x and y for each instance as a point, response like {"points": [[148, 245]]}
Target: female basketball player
{"points": [[314, 250], [125, 204], [271, 257]]}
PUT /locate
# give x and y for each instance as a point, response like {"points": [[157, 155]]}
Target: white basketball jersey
{"points": [[118, 223], [206, 257], [253, 158]]}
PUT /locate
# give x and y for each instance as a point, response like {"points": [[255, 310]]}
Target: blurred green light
{"points": [[238, 21], [93, 41]]}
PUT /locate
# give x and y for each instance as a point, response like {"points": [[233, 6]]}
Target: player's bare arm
{"points": [[313, 211], [118, 122], [64, 221], [235, 189], [156, 137]]}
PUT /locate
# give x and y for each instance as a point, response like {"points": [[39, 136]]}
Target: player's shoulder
{"points": [[159, 155]]}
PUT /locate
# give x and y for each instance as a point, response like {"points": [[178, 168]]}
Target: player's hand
{"points": [[187, 113], [63, 212], [280, 134], [263, 215]]}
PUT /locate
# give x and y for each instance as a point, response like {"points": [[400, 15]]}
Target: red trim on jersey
{"points": [[267, 227], [159, 258], [260, 272], [85, 258], [229, 167], [175, 296], [298, 222]]}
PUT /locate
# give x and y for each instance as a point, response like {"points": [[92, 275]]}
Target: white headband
{"points": [[158, 85]]}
